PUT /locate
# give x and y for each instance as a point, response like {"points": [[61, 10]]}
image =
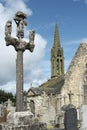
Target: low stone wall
{"points": [[22, 127], [19, 127], [22, 121]]}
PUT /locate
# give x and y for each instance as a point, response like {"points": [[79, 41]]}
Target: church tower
{"points": [[57, 56]]}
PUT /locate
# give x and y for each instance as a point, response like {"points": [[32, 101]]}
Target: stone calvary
{"points": [[20, 46]]}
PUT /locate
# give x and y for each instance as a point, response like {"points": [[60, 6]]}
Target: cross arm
{"points": [[30, 47], [11, 41]]}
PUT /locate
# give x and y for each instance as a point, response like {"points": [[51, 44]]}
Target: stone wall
{"points": [[74, 76], [38, 100], [22, 121], [19, 127], [45, 107]]}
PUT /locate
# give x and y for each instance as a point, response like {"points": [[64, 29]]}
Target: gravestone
{"points": [[70, 119], [1, 106], [84, 117], [10, 107]]}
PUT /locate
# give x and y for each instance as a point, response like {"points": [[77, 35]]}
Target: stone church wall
{"points": [[75, 75], [37, 102]]}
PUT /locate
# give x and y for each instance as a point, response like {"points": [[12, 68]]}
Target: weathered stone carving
{"points": [[31, 36], [70, 97], [20, 46], [19, 19], [8, 28]]}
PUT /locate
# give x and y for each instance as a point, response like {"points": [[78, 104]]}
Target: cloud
{"points": [[9, 87], [76, 0], [84, 40], [70, 48], [85, 1], [75, 42], [33, 71]]}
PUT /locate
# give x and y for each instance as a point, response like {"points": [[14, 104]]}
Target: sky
{"points": [[42, 15]]}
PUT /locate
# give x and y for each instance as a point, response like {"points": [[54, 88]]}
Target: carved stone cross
{"points": [[20, 46], [64, 99], [70, 97]]}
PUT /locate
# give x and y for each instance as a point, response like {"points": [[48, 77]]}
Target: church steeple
{"points": [[57, 56], [56, 38]]}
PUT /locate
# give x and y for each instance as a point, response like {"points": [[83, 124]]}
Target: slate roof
{"points": [[53, 86]]}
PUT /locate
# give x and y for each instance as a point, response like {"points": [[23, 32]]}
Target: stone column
{"points": [[20, 46], [19, 79]]}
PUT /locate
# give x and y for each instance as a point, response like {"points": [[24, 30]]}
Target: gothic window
{"points": [[32, 106], [57, 66], [61, 65], [59, 52]]}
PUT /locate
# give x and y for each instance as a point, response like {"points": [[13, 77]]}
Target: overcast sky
{"points": [[71, 16]]}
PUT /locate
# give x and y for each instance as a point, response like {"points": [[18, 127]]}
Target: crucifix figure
{"points": [[64, 99], [20, 46], [70, 97]]}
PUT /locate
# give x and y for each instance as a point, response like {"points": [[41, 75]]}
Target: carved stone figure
{"points": [[8, 28], [19, 19], [70, 97], [31, 36]]}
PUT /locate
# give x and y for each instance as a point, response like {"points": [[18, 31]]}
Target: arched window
{"points": [[32, 106]]}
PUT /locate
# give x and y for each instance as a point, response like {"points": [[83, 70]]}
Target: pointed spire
{"points": [[56, 37], [57, 56]]}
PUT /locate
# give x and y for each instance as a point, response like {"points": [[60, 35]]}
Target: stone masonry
{"points": [[74, 77], [21, 121]]}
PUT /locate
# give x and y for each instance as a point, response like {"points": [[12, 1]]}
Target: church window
{"points": [[32, 106], [59, 52], [61, 64], [57, 60]]}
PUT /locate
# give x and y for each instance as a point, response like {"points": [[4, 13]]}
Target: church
{"points": [[48, 101]]}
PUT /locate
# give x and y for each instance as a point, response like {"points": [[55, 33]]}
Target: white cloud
{"points": [[75, 42], [85, 1], [33, 71], [76, 0], [84, 40], [9, 87], [70, 48]]}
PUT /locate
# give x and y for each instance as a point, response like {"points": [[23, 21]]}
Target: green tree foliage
{"points": [[4, 96]]}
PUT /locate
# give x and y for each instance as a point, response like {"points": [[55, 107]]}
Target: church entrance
{"points": [[32, 107]]}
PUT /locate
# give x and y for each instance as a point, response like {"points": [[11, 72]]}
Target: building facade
{"points": [[47, 101]]}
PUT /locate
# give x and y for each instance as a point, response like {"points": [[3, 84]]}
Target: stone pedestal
{"points": [[18, 121], [21, 121], [20, 118]]}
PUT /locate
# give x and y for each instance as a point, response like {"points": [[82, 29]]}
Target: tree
{"points": [[4, 96]]}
